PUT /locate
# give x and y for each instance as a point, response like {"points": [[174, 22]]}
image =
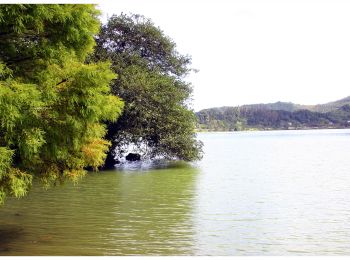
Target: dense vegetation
{"points": [[51, 102], [55, 99], [291, 107], [156, 118], [274, 116]]}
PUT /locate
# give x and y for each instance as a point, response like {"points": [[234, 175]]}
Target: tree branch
{"points": [[59, 83]]}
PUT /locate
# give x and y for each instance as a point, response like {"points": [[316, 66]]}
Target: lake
{"points": [[253, 193]]}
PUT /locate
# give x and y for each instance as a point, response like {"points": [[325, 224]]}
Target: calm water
{"points": [[254, 193]]}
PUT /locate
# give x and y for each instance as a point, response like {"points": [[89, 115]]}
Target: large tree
{"points": [[151, 80], [51, 102]]}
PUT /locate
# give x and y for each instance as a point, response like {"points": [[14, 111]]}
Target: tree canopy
{"points": [[63, 109], [157, 118], [51, 102]]}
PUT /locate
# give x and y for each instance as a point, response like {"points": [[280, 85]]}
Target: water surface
{"points": [[254, 193]]}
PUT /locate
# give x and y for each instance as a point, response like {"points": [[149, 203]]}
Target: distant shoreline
{"points": [[267, 129], [275, 116]]}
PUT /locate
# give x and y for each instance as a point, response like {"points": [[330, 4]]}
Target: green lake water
{"points": [[253, 193]]}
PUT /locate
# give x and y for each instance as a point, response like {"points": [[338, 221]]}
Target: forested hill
{"points": [[289, 106], [279, 115]]}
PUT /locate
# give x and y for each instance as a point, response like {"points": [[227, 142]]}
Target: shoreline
{"points": [[267, 130]]}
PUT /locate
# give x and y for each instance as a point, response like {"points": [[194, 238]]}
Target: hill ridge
{"points": [[278, 115], [290, 106]]}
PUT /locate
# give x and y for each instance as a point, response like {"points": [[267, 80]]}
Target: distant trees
{"points": [[51, 102], [150, 80], [256, 117]]}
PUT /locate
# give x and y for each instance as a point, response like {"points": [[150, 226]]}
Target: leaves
{"points": [[13, 181], [35, 36], [51, 102], [150, 80]]}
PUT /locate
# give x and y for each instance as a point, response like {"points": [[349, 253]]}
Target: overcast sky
{"points": [[255, 51]]}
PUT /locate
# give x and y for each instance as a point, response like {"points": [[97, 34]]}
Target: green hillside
{"points": [[285, 106], [289, 106], [279, 115], [328, 107]]}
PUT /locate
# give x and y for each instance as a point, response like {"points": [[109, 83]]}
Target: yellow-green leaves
{"points": [[5, 160], [20, 105], [77, 98], [94, 152], [18, 182], [52, 104], [13, 181], [33, 36], [31, 141]]}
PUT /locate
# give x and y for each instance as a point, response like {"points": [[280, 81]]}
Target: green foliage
{"points": [[134, 40], [259, 117], [71, 119], [13, 182], [51, 103], [32, 36], [291, 107], [151, 73]]}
